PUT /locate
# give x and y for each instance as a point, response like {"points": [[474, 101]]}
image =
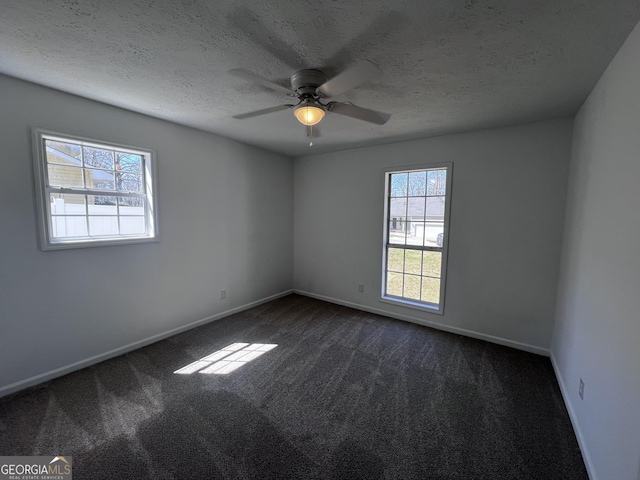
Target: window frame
{"points": [[427, 307], [43, 191]]}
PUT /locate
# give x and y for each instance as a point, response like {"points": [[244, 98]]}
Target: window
{"points": [[92, 193], [416, 226]]}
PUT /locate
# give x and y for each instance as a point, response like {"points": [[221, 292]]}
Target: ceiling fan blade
{"points": [[265, 35], [348, 110], [264, 111], [252, 77], [354, 76], [370, 38]]}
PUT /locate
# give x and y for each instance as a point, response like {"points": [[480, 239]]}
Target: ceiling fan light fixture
{"points": [[309, 114]]}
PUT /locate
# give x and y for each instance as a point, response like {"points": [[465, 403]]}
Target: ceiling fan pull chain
{"points": [[309, 132]]}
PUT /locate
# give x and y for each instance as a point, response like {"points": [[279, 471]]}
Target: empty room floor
{"points": [[300, 388]]}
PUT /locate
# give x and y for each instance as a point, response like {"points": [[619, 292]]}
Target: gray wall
{"points": [[509, 189], [597, 331], [225, 223]]}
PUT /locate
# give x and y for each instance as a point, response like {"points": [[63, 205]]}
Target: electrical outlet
{"points": [[223, 294], [361, 287], [581, 390]]}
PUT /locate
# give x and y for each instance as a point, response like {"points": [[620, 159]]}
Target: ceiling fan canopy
{"points": [[311, 87]]}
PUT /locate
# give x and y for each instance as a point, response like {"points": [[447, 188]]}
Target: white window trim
{"points": [[43, 206], [398, 301]]}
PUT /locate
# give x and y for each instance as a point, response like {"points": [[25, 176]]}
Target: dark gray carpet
{"points": [[344, 395]]}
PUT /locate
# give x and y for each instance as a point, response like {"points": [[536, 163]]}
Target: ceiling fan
{"points": [[311, 87]]}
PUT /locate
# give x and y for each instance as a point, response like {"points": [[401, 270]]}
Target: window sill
{"points": [[62, 245], [423, 307]]}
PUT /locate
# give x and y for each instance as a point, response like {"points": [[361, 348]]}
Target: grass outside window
{"points": [[419, 279]]}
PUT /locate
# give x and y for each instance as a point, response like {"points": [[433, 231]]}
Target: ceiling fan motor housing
{"points": [[306, 82]]}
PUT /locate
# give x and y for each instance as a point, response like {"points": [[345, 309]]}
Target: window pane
{"points": [[415, 208], [103, 225], [68, 226], [417, 183], [433, 234], [399, 184], [99, 179], [415, 233], [411, 287], [398, 207], [102, 205], [395, 259], [129, 182], [63, 153], [98, 158], [436, 182], [394, 284], [129, 162], [431, 264], [130, 225], [397, 235], [65, 204], [413, 261], [430, 290], [435, 209], [69, 177], [131, 205]]}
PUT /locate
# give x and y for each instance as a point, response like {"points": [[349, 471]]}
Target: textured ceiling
{"points": [[448, 65]]}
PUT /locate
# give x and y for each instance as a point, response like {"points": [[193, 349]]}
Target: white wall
{"points": [[509, 189], [597, 332], [225, 223]]}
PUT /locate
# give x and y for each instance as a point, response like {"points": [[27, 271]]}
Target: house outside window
{"points": [[92, 193], [415, 238]]}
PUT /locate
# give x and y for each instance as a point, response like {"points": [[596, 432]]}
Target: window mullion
{"points": [[424, 221], [94, 192], [118, 214], [406, 213], [404, 273], [86, 214], [425, 248]]}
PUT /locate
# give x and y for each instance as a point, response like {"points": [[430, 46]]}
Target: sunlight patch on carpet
{"points": [[228, 359]]}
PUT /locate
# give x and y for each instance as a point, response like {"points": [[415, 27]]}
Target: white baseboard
{"points": [[574, 421], [58, 372], [438, 326]]}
